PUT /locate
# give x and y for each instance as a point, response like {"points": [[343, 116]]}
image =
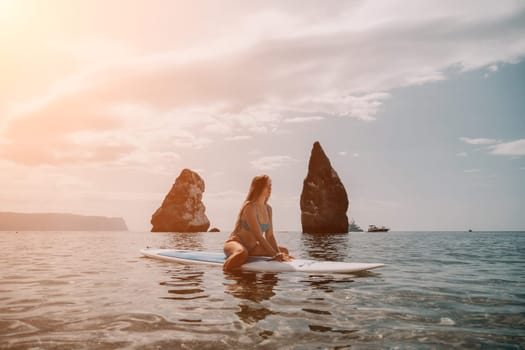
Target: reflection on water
{"points": [[184, 241], [186, 284], [331, 247], [323, 329], [252, 287], [327, 283]]}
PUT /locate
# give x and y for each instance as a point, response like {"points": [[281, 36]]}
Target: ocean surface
{"points": [[93, 290]]}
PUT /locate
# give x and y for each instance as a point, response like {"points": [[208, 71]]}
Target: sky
{"points": [[418, 104]]}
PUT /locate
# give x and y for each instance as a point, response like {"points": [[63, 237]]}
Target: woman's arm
{"points": [[269, 234], [251, 218], [270, 237]]}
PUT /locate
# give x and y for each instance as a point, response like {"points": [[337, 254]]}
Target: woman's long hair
{"points": [[257, 186]]}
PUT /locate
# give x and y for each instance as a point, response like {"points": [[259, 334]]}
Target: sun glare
{"points": [[6, 7], [10, 11]]}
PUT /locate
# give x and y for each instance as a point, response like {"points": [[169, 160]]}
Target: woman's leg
{"points": [[236, 255], [259, 251]]}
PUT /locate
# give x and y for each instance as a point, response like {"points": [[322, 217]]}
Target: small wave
{"points": [[445, 321]]}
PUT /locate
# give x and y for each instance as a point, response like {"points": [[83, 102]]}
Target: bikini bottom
{"points": [[235, 237]]}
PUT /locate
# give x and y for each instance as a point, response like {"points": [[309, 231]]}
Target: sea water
{"points": [[93, 290]]}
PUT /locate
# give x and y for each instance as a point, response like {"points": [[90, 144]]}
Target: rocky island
{"points": [[324, 201], [182, 209]]}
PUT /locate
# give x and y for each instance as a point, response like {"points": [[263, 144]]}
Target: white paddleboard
{"points": [[258, 263]]}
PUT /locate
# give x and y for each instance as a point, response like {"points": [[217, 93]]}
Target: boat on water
{"points": [[374, 228], [353, 227]]}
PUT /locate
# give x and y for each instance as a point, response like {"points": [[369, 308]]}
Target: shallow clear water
{"points": [[87, 290]]}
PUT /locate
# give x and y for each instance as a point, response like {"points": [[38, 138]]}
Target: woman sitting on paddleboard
{"points": [[253, 232]]}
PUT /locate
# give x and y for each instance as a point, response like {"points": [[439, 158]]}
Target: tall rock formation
{"points": [[324, 201], [182, 210]]}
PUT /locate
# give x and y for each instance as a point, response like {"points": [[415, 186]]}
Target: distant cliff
{"points": [[59, 222]]}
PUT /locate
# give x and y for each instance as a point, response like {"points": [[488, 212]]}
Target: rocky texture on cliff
{"points": [[59, 222], [324, 201], [182, 209]]}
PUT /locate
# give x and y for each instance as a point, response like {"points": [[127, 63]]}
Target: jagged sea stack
{"points": [[324, 201], [182, 210]]}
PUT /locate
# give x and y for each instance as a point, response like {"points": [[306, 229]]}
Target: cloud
{"points": [[302, 120], [478, 141], [42, 133], [497, 147], [239, 138], [513, 148], [359, 106], [272, 162], [472, 171], [279, 59], [154, 161], [462, 154], [493, 68]]}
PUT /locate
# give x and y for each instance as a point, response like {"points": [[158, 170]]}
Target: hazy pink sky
{"points": [[102, 104]]}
